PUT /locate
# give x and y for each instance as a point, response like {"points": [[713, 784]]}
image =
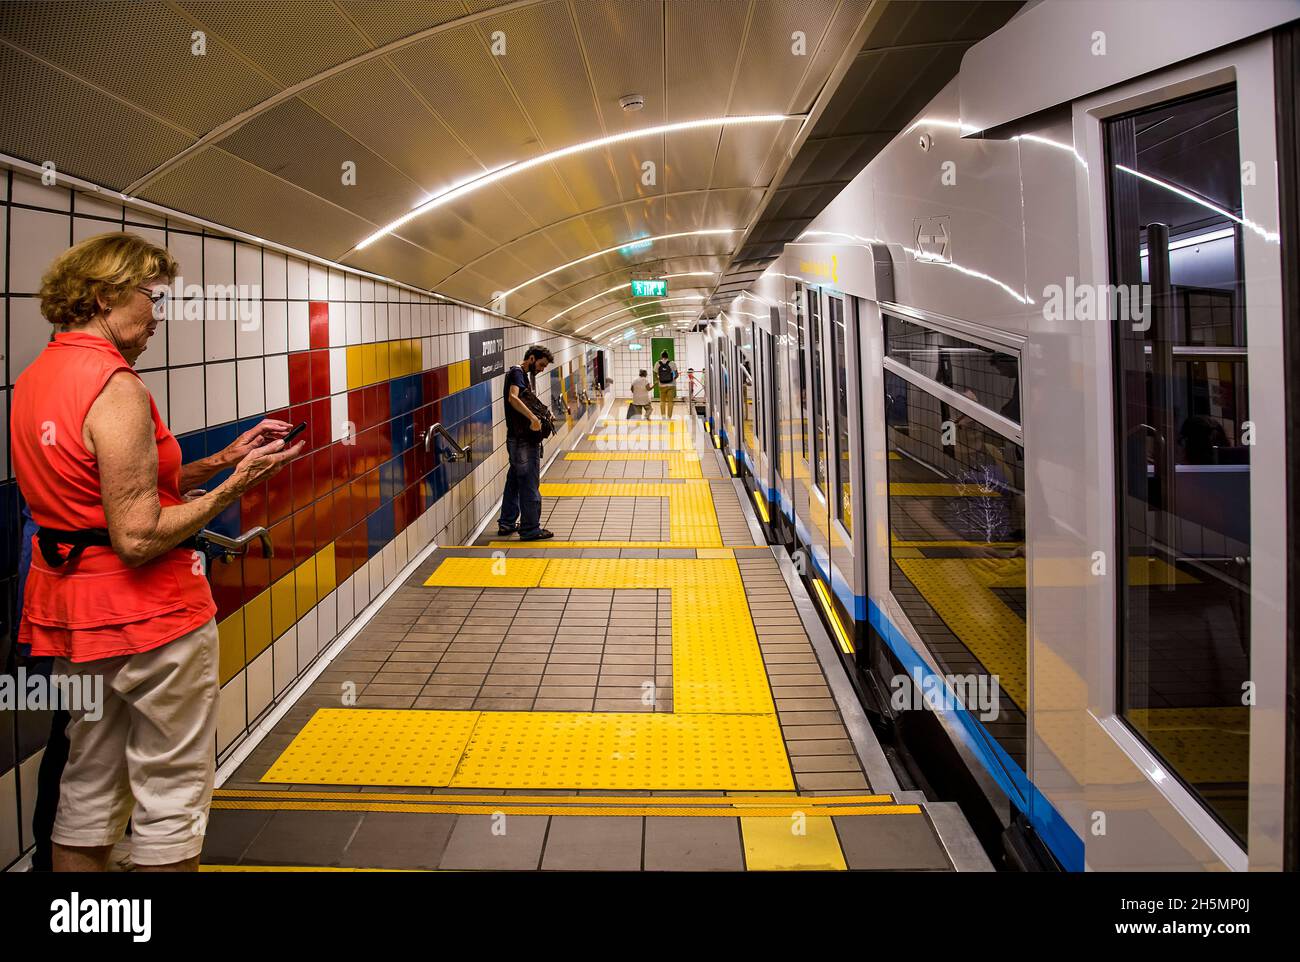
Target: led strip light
{"points": [[509, 170]]}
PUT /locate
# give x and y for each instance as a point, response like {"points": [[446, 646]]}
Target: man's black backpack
{"points": [[534, 404], [665, 372]]}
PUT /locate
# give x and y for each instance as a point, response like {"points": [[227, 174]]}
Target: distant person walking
{"points": [[642, 398], [666, 375]]}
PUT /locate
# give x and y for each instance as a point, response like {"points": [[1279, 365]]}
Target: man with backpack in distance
{"points": [[521, 504], [666, 375]]}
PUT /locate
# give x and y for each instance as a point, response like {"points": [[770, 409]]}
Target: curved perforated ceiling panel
{"points": [[250, 115]]}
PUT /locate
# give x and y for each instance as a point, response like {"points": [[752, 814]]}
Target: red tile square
{"points": [[304, 535], [253, 507], [323, 471], [318, 321], [279, 496], [282, 538], [257, 574], [320, 374], [299, 378], [227, 586], [301, 482], [323, 511], [320, 423]]}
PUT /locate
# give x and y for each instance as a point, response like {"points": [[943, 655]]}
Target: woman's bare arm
{"points": [[119, 431]]}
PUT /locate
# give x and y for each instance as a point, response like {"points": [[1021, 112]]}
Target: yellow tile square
{"points": [[257, 624], [231, 659]]}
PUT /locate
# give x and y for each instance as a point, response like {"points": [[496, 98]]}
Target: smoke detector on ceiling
{"points": [[632, 102]]}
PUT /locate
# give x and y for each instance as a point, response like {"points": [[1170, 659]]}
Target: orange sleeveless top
{"points": [[93, 607]]}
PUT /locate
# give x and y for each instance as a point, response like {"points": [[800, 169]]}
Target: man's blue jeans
{"points": [[522, 500]]}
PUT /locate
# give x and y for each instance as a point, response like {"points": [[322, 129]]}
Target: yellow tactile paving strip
{"points": [[722, 734], [681, 464], [692, 520]]}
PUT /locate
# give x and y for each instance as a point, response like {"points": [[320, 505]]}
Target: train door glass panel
{"points": [[800, 423], [773, 373], [983, 374], [839, 348], [1183, 504], [818, 412], [745, 342], [957, 539]]}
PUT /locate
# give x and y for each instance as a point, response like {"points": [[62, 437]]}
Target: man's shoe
{"points": [[541, 534], [503, 530]]}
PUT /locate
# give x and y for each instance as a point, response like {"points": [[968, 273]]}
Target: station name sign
{"points": [[487, 354], [649, 288]]}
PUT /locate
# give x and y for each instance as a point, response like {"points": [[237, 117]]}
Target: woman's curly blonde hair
{"points": [[101, 270]]}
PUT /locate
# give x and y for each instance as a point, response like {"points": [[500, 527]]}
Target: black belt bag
{"points": [[51, 540]]}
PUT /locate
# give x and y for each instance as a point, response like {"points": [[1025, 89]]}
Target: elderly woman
{"points": [[117, 592]]}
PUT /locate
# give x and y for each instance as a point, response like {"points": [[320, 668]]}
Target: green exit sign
{"points": [[649, 288]]}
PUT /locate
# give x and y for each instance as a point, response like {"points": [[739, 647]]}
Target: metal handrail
{"points": [[239, 545], [458, 453]]}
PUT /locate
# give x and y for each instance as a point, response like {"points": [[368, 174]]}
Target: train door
{"points": [[1199, 389], [772, 394], [845, 443]]}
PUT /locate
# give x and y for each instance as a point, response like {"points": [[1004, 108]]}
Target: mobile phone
{"points": [[297, 430]]}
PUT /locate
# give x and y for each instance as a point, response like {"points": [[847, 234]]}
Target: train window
{"points": [[839, 347], [1182, 439], [985, 375], [774, 411], [818, 413], [801, 355], [745, 342], [957, 552]]}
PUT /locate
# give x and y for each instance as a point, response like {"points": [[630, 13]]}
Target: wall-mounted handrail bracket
{"points": [[229, 547], [457, 452]]}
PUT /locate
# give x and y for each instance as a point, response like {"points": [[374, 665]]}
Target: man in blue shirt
{"points": [[521, 504]]}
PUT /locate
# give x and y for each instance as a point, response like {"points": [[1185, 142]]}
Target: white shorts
{"points": [[149, 757]]}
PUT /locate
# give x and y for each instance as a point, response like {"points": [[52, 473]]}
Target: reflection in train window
{"points": [[843, 490], [774, 412], [1183, 508], [957, 553], [990, 377], [818, 414], [745, 340], [801, 422]]}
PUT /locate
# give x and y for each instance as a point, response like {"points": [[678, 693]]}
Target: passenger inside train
{"points": [[652, 437]]}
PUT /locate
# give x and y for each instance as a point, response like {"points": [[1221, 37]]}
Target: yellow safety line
{"points": [[300, 868], [782, 811], [649, 801]]}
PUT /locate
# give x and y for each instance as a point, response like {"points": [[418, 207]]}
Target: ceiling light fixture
{"points": [[648, 241], [509, 170], [622, 287], [632, 307]]}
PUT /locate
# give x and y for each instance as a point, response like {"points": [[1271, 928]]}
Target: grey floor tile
{"points": [[593, 842], [303, 838], [515, 845], [890, 842], [230, 833], [693, 844], [399, 840]]}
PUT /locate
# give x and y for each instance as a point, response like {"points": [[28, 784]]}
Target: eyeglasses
{"points": [[159, 299]]}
